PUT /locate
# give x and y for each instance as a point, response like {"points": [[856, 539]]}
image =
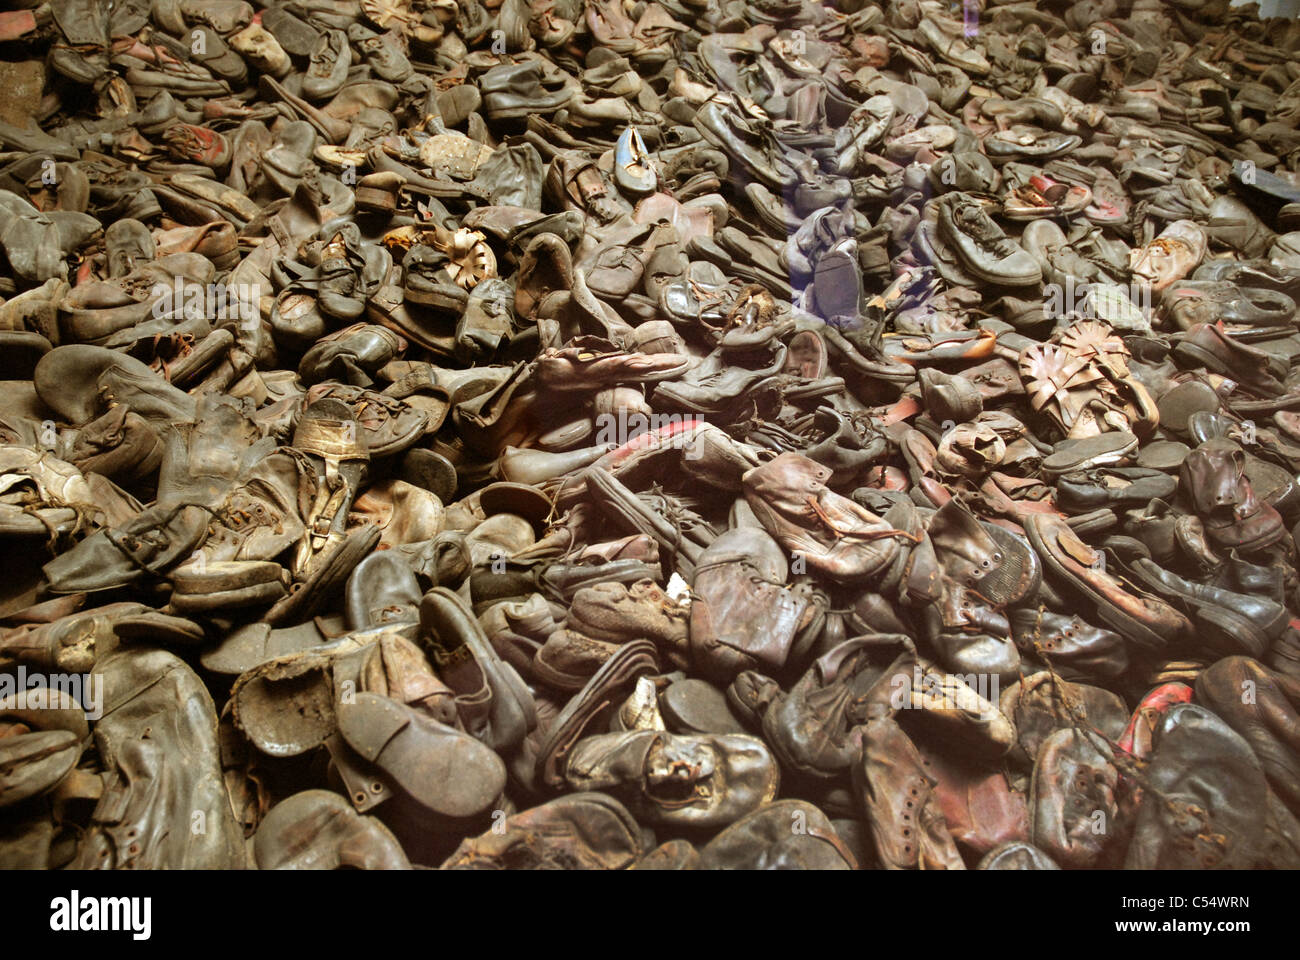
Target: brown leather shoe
{"points": [[1214, 479], [785, 835], [1042, 703], [319, 830], [1208, 805], [1073, 811], [703, 780], [979, 806], [810, 728], [1144, 620], [120, 445], [615, 611], [568, 659], [1259, 704], [1074, 648], [743, 616], [1208, 345], [444, 770], [590, 363], [607, 687], [495, 705], [832, 533], [897, 794], [579, 831], [1171, 256]]}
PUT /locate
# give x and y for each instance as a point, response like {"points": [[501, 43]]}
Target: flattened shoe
{"points": [[785, 835], [1145, 620], [80, 382], [1072, 805], [1260, 704], [1208, 803], [607, 688], [319, 830], [442, 769], [703, 780], [1017, 855], [34, 763], [579, 831]]}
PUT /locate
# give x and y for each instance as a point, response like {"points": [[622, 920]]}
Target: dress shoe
{"points": [[1144, 620]]}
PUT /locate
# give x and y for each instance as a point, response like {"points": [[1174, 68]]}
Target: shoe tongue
{"points": [[673, 768], [869, 653], [979, 227]]}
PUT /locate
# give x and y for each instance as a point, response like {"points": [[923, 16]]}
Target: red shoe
{"points": [[15, 24], [198, 145], [1137, 735]]}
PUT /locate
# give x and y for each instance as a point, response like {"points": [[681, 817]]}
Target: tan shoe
{"points": [[1171, 256]]}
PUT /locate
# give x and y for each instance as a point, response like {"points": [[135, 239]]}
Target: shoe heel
{"points": [[1198, 356], [1229, 634]]}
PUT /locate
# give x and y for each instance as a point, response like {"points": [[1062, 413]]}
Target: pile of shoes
{"points": [[668, 434]]}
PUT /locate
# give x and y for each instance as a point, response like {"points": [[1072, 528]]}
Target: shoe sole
{"points": [[1201, 357], [1092, 452], [1230, 634]]}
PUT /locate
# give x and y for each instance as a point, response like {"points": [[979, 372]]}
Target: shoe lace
{"points": [[976, 225]]}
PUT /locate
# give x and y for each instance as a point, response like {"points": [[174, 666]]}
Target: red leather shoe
{"points": [[1137, 735]]}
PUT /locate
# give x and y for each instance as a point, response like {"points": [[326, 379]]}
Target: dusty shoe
{"points": [[579, 831], [445, 771], [1171, 256], [159, 728], [700, 780], [619, 612], [832, 533], [319, 830]]}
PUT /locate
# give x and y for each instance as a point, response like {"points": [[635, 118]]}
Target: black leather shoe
{"points": [[1227, 622]]}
